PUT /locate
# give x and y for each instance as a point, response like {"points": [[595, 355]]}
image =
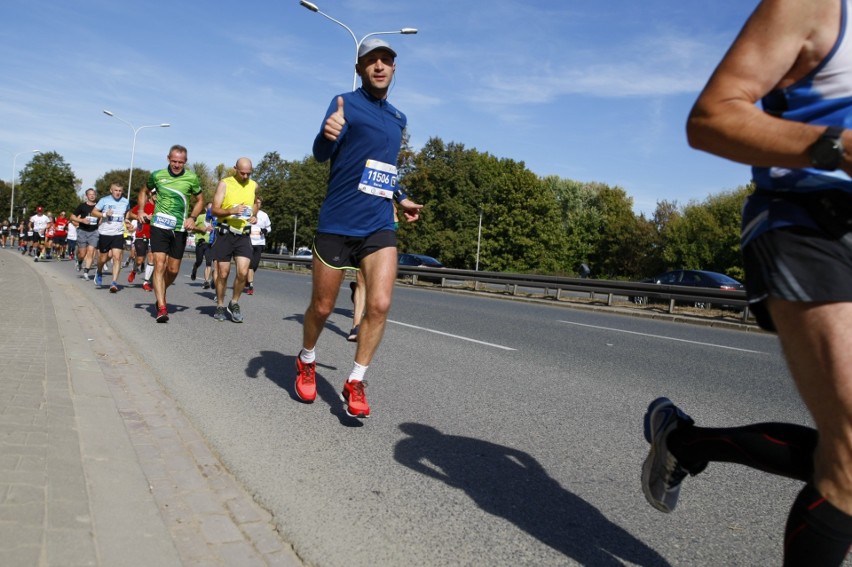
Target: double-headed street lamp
{"points": [[133, 149], [313, 8], [15, 159]]}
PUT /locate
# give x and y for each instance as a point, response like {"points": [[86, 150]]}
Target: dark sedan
{"points": [[420, 261], [692, 278]]}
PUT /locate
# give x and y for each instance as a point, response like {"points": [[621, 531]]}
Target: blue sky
{"points": [[586, 90]]}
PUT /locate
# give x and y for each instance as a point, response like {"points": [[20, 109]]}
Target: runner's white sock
{"points": [[357, 372], [149, 269], [307, 356]]}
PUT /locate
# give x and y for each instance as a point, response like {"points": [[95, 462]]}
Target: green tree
{"points": [[581, 219], [292, 192], [622, 236], [521, 228], [121, 176], [47, 181], [207, 179], [5, 194], [706, 235]]}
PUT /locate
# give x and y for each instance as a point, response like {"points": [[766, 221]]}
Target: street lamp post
{"points": [[133, 148], [295, 224], [313, 8], [12, 202], [478, 239]]}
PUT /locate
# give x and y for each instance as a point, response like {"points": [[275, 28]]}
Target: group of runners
{"points": [[43, 236], [155, 233]]}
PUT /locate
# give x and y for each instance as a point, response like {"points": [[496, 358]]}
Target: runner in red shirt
{"points": [[140, 245], [60, 235]]}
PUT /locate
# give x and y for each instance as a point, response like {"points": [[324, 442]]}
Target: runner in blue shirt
{"points": [[361, 135], [112, 211]]}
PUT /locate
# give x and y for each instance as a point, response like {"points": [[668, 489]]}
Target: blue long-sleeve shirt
{"points": [[373, 130]]}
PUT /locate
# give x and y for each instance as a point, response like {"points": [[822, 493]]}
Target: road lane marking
{"points": [[663, 337], [450, 335]]}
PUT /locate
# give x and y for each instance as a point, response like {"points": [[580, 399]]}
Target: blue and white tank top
{"points": [[823, 97]]}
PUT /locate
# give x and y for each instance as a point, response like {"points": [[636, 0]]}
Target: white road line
{"points": [[453, 336], [662, 337]]}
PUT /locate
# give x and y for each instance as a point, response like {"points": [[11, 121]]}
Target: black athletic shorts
{"points": [[107, 242], [796, 264], [346, 252], [230, 245], [169, 242], [141, 246]]}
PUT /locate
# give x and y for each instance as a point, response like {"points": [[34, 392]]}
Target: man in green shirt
{"points": [[179, 202]]}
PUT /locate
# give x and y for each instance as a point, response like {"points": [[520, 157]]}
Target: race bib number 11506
{"points": [[378, 179]]}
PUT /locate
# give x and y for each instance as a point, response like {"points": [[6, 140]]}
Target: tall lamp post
{"points": [[313, 8], [478, 239], [133, 148], [14, 160]]}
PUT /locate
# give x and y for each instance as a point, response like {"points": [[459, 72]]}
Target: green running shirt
{"points": [[174, 197]]}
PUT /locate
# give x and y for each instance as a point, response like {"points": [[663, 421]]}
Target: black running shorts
{"points": [[797, 264], [346, 252], [230, 245], [107, 242], [169, 242]]}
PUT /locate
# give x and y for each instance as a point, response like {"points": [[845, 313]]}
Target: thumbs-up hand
{"points": [[334, 124]]}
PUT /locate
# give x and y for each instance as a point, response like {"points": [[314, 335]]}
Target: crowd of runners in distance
{"points": [[83, 237]]}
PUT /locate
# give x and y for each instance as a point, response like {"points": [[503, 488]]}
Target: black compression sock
{"points": [[817, 534], [778, 448]]}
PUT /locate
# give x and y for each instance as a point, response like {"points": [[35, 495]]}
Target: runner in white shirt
{"points": [[258, 243], [38, 224]]}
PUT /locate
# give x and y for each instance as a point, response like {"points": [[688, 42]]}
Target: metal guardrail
{"points": [[558, 284]]}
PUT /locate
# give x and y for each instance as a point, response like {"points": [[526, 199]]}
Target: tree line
{"points": [[478, 208]]}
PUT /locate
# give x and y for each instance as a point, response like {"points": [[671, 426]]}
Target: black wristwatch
{"points": [[827, 152]]}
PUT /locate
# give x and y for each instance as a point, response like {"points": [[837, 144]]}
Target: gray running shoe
{"points": [[234, 312], [220, 313], [661, 472]]}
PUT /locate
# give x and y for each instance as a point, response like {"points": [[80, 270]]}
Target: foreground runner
{"points": [[177, 189], [797, 58], [356, 226]]}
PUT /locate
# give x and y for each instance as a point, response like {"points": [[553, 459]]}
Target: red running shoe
{"points": [[355, 399], [146, 285], [131, 276], [306, 380], [249, 290], [162, 314]]}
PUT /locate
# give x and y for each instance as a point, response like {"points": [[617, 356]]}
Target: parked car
{"points": [[420, 261], [305, 253], [691, 278]]}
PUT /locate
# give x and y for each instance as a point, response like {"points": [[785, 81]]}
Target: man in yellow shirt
{"points": [[235, 206]]}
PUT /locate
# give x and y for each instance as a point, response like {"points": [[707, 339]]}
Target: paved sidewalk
{"points": [[97, 464]]}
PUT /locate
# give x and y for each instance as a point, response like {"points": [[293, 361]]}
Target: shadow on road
{"points": [[281, 370], [510, 484]]}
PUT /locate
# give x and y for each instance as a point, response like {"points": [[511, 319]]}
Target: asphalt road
{"points": [[503, 432]]}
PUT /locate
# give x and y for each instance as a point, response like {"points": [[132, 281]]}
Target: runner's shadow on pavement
{"points": [[329, 326], [281, 370], [208, 310], [151, 307], [511, 484]]}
